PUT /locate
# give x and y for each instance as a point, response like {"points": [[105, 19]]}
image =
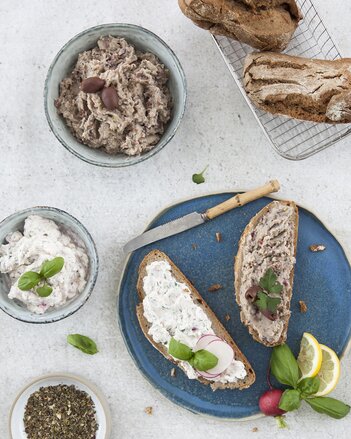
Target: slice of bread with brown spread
{"points": [[217, 327], [263, 24], [267, 246]]}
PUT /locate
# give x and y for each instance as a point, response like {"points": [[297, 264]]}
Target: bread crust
{"points": [[301, 88], [218, 328], [238, 262], [265, 24]]}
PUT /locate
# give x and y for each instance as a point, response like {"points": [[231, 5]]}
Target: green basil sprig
{"points": [[31, 279], [83, 343], [201, 360], [290, 400], [199, 178], [28, 280], [44, 291], [329, 406], [284, 366], [50, 268], [179, 350], [286, 370], [309, 386]]}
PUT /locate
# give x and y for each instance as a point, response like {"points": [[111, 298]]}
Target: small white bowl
{"points": [[17, 309], [103, 415], [63, 64]]}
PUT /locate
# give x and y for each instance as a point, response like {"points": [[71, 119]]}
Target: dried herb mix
{"points": [[60, 412]]}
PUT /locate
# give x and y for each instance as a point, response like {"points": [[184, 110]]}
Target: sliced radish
{"points": [[223, 352], [208, 376], [204, 341]]}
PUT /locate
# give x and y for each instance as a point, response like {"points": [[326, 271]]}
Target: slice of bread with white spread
{"points": [[268, 244], [171, 307]]}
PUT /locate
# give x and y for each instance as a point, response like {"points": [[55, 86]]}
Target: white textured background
{"points": [[218, 130]]}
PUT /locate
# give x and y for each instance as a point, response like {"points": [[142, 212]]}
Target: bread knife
{"points": [[195, 219]]}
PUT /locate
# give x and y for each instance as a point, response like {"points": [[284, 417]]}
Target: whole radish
{"points": [[269, 402]]}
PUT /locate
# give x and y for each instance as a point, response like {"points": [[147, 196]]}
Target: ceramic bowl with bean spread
{"points": [[115, 95]]}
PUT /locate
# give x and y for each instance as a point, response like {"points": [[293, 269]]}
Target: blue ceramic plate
{"points": [[322, 280]]}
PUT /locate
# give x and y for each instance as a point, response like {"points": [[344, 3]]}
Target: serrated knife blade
{"points": [[165, 230], [195, 219]]}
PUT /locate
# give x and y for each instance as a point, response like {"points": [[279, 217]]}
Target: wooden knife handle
{"points": [[241, 199]]}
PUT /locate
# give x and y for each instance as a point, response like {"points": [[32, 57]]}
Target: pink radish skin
{"points": [[204, 341], [208, 376], [223, 352], [269, 402]]}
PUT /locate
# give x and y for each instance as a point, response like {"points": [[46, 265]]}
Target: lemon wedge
{"points": [[310, 356], [329, 373]]}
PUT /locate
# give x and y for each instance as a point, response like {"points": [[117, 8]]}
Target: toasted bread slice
{"points": [[217, 327], [268, 241]]}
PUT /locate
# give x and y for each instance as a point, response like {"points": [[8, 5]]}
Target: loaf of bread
{"points": [[268, 243], [307, 89], [219, 330], [263, 24]]}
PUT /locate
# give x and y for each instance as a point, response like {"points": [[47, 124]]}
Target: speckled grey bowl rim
{"points": [[79, 379], [163, 141], [94, 275]]}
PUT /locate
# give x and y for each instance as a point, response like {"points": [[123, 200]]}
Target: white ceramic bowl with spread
{"points": [[63, 65], [17, 309]]}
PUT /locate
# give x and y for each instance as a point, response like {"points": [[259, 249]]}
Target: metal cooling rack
{"points": [[291, 138]]}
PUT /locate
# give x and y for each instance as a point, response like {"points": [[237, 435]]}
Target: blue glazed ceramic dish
{"points": [[63, 64], [15, 222], [322, 280]]}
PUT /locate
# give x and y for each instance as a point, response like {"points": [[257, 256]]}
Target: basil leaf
{"points": [[85, 344], [179, 350], [199, 178], [284, 365], [203, 360], [28, 280], [44, 291], [290, 400], [329, 406], [50, 268], [309, 386]]}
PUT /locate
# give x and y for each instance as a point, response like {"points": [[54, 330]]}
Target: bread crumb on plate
{"points": [[148, 410], [215, 287], [303, 306], [317, 248]]}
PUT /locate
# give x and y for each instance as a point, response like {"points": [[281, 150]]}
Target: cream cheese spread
{"points": [[171, 312], [42, 239]]}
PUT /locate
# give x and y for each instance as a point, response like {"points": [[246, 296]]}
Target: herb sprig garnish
{"points": [[199, 178], [269, 285], [201, 360], [286, 370], [31, 279]]}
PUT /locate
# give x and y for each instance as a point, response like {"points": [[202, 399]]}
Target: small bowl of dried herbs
{"points": [[60, 406]]}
